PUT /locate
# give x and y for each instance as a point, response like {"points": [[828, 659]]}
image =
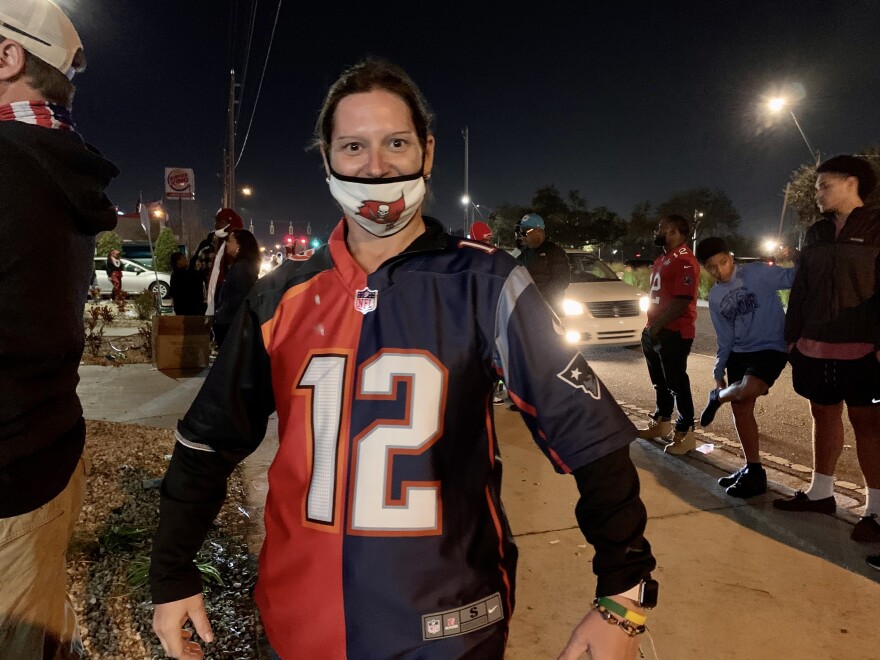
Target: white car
{"points": [[135, 278], [599, 308]]}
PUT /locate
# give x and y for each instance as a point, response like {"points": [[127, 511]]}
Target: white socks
{"points": [[822, 486], [872, 501]]}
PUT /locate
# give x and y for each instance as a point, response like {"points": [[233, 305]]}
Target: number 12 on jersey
{"points": [[369, 475]]}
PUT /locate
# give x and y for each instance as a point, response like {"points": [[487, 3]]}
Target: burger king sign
{"points": [[180, 183]]}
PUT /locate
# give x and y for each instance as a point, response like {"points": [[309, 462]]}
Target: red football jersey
{"points": [[675, 275]]}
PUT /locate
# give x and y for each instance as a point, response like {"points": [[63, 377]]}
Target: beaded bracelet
{"points": [[620, 610], [625, 625]]}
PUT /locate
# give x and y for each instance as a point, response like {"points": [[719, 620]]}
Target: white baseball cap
{"points": [[44, 31]]}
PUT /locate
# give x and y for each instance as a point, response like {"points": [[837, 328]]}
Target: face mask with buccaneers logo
{"points": [[381, 206]]}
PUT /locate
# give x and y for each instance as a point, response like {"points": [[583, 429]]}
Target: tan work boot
{"points": [[657, 429], [682, 442]]}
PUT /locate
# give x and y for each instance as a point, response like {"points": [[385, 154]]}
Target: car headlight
{"points": [[572, 337], [572, 308], [644, 303]]}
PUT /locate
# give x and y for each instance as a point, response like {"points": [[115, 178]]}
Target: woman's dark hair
{"points": [[367, 76], [248, 249]]}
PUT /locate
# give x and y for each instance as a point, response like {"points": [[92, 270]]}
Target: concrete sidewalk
{"points": [[738, 579]]}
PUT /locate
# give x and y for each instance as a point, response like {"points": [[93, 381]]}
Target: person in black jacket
{"points": [[833, 332], [187, 287], [51, 184], [546, 262], [244, 252]]}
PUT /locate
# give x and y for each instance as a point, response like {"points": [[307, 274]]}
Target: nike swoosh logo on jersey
{"points": [[875, 400], [491, 609]]}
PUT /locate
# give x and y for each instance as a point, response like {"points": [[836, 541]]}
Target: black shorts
{"points": [[831, 381], [766, 365]]}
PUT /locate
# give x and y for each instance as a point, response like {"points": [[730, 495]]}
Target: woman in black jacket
{"points": [[243, 251]]}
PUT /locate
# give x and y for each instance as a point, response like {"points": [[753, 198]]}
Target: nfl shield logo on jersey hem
{"points": [[366, 299]]}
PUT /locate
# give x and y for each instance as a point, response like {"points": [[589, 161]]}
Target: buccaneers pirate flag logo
{"points": [[385, 213], [580, 376]]}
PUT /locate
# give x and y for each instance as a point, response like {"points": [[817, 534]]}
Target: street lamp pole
{"points": [[698, 215], [813, 152]]}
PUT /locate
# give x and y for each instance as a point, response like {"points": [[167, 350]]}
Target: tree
{"points": [[720, 217], [640, 229], [108, 241], [802, 188], [165, 246], [503, 220]]}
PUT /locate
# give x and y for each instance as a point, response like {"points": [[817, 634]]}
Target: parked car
{"points": [[135, 278], [599, 308], [632, 264], [139, 252]]}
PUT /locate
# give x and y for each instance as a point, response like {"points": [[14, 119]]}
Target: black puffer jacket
{"points": [[548, 265], [834, 297], [51, 194]]}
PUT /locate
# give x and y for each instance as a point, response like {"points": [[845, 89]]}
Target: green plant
{"points": [[108, 241], [165, 246], [139, 572], [100, 316], [706, 282], [144, 305], [121, 538], [145, 332]]}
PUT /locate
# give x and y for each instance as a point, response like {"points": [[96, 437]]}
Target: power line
{"points": [[247, 58], [260, 87]]}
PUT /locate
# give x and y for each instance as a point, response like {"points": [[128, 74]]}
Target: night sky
{"points": [[625, 101]]}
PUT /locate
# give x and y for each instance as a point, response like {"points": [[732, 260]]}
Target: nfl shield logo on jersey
{"points": [[365, 300], [433, 626]]}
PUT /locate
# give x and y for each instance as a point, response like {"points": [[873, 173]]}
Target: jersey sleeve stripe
{"points": [[515, 284]]}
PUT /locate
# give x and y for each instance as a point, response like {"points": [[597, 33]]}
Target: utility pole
{"points": [[466, 204], [229, 153]]}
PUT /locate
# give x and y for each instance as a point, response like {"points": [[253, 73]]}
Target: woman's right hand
{"points": [[168, 622]]}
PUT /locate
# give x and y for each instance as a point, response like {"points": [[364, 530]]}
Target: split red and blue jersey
{"points": [[385, 534]]}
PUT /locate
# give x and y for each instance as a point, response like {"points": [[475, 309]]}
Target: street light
{"points": [[777, 105], [698, 219], [247, 191]]}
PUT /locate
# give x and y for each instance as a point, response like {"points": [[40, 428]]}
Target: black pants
{"points": [[666, 355]]}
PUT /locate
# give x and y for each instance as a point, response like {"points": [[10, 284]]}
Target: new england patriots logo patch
{"points": [[365, 300], [580, 376], [384, 213]]}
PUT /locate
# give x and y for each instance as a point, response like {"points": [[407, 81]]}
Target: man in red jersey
{"points": [[667, 339]]}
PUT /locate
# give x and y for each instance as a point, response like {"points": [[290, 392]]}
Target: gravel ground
{"points": [[115, 617]]}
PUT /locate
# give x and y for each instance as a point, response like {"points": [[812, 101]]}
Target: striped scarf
{"points": [[39, 113]]}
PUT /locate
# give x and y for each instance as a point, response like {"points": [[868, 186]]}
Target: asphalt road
{"points": [[783, 417]]}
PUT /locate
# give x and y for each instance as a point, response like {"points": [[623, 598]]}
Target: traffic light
{"points": [[303, 241], [288, 239]]}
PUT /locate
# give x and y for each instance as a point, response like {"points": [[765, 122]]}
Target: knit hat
{"points": [[709, 247], [44, 31], [480, 231]]}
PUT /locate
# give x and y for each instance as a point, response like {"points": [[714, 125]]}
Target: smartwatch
{"points": [[644, 593]]}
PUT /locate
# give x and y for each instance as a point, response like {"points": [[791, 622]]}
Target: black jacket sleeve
{"points": [[236, 285], [612, 518], [794, 316], [225, 423]]}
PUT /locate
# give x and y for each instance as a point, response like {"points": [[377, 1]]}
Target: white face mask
{"points": [[221, 233], [381, 206]]}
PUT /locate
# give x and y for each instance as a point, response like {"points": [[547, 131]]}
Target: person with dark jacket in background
{"points": [[187, 287], [833, 333], [51, 185], [546, 262], [243, 250]]}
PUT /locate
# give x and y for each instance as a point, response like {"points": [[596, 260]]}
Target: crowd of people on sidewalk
{"points": [[380, 353], [830, 335]]}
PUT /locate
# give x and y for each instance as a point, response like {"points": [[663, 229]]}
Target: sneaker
{"points": [[512, 406], [751, 482], [656, 430], [874, 561], [497, 400], [730, 479], [867, 530], [800, 503], [682, 442], [711, 408]]}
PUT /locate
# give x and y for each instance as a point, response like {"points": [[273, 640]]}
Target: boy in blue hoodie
{"points": [[749, 322]]}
